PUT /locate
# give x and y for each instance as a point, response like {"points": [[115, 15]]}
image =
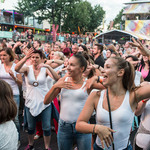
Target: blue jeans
{"points": [[96, 147], [44, 116], [66, 135], [16, 120]]}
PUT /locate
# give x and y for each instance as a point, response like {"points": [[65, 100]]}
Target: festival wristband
{"points": [[100, 79], [144, 101]]}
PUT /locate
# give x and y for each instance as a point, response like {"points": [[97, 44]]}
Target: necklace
{"points": [[77, 81]]}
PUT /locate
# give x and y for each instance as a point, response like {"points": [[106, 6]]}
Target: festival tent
{"points": [[119, 34]]}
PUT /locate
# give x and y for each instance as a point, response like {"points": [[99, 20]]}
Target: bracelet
{"points": [[16, 79], [98, 79], [101, 79], [52, 60], [144, 101], [94, 129]]}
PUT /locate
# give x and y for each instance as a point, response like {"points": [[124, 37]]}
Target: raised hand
{"points": [[29, 53], [144, 51]]}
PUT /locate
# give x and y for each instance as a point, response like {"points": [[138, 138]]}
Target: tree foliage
{"points": [[72, 14], [84, 17], [118, 20], [50, 10]]}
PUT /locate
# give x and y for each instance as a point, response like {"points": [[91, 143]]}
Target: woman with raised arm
{"points": [[36, 90], [73, 98], [142, 137], [122, 96]]}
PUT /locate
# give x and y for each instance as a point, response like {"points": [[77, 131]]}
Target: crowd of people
{"points": [[91, 91]]}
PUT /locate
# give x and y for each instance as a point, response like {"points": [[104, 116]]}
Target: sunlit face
{"points": [[109, 72], [73, 67], [117, 47], [108, 54], [56, 48], [63, 45], [4, 57], [145, 58], [68, 43], [35, 44], [95, 50], [127, 45], [36, 59], [47, 48], [51, 55], [80, 49], [66, 62], [88, 69], [74, 49], [91, 51]]}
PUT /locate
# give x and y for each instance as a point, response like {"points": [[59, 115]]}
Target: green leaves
{"points": [[71, 14], [84, 16]]}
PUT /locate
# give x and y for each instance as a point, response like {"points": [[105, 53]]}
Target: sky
{"points": [[111, 7]]}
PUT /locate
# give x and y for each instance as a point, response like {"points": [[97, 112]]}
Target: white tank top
{"points": [[35, 94], [72, 103], [142, 139], [122, 119], [6, 77], [137, 79]]}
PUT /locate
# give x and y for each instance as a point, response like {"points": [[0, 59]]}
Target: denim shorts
{"points": [[44, 116], [66, 135]]}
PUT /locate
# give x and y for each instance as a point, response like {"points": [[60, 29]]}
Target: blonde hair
{"points": [[61, 55]]}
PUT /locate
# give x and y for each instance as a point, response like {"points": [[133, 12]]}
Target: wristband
{"points": [[16, 79], [101, 79], [144, 101], [94, 129], [53, 61], [98, 79]]}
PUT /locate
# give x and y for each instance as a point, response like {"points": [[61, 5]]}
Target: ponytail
{"points": [[129, 74]]}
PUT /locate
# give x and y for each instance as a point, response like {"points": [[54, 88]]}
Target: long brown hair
{"points": [[129, 74], [9, 52], [8, 108]]}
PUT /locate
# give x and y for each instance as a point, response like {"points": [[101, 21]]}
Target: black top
{"points": [[30, 36], [100, 61]]}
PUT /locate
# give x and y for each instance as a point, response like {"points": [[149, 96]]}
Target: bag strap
{"points": [[110, 118]]}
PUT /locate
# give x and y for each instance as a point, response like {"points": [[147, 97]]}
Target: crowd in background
{"points": [[32, 67]]}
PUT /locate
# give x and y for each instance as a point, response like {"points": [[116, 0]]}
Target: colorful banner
{"points": [[139, 26], [6, 34], [137, 8], [39, 37], [61, 38]]}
